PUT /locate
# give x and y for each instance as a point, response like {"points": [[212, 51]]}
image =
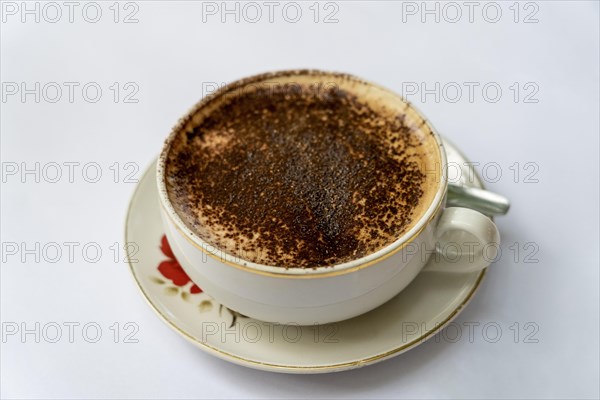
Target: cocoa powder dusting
{"points": [[294, 179]]}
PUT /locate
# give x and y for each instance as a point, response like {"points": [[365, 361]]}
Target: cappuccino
{"points": [[302, 169]]}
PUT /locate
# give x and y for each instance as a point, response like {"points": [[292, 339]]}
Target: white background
{"points": [[170, 54]]}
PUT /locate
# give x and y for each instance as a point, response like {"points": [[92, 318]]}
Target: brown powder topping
{"points": [[291, 178]]}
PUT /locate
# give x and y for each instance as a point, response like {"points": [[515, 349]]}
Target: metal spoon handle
{"points": [[485, 202]]}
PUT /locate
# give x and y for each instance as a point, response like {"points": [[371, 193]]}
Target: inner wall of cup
{"points": [[381, 99]]}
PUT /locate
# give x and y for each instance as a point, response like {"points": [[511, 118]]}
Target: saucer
{"points": [[421, 310]]}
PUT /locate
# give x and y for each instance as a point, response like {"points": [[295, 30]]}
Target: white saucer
{"points": [[428, 304]]}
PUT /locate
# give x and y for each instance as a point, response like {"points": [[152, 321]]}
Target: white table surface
{"points": [[170, 54]]}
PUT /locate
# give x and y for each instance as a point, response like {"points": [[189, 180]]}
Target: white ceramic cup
{"points": [[461, 240]]}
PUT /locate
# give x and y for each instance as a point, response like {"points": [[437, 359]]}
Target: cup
{"points": [[460, 239]]}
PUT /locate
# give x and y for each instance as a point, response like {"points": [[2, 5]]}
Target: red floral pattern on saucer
{"points": [[171, 269]]}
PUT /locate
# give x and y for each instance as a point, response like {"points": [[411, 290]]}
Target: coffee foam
{"points": [[302, 169]]}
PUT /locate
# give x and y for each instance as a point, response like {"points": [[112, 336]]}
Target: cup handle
{"points": [[466, 241]]}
